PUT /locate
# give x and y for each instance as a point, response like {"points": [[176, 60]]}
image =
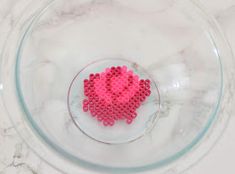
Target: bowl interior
{"points": [[164, 41]]}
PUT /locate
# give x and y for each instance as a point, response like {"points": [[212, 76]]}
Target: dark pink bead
{"points": [[147, 81]]}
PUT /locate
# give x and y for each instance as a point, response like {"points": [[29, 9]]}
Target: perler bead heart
{"points": [[114, 95]]}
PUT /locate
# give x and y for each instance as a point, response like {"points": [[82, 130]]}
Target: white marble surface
{"points": [[16, 157]]}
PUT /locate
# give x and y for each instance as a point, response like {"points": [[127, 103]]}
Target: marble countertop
{"points": [[16, 157]]}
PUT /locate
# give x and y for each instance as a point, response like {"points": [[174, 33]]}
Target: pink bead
{"points": [[106, 123], [85, 108], [100, 118], [97, 76], [147, 81], [92, 76], [134, 115], [129, 121]]}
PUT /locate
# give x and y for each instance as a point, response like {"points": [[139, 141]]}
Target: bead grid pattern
{"points": [[115, 94]]}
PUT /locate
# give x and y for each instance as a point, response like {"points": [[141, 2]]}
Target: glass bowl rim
{"points": [[88, 164]]}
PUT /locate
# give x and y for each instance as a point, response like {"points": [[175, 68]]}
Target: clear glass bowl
{"points": [[172, 43]]}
